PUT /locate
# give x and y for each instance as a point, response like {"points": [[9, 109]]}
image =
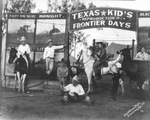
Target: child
{"points": [[62, 74], [74, 92]]}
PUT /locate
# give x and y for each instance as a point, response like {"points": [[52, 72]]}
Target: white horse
{"points": [[88, 62]]}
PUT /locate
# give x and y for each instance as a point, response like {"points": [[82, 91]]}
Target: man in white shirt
{"points": [[23, 47], [48, 55], [115, 69], [74, 92], [141, 55]]}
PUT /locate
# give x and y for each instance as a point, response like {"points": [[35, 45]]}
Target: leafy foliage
{"points": [[21, 6], [67, 5]]}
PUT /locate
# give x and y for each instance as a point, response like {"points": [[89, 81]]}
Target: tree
{"points": [[91, 5], [21, 6], [65, 5]]}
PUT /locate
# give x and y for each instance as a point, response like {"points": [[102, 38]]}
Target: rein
{"points": [[80, 57], [87, 61]]}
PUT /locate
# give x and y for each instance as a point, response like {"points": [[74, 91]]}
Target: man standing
{"points": [[115, 69], [62, 74], [48, 55], [100, 56]]}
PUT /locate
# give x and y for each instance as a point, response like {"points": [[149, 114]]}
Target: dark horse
{"points": [[133, 71], [21, 67]]}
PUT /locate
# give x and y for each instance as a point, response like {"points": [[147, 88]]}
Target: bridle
{"points": [[23, 56], [81, 53]]}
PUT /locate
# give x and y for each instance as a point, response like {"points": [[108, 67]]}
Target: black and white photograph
{"points": [[74, 60]]}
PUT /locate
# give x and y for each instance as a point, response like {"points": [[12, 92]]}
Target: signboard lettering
{"points": [[103, 17], [38, 16], [144, 14]]}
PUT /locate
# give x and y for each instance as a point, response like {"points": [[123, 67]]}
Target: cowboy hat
{"points": [[22, 39], [49, 40], [75, 78], [101, 44]]}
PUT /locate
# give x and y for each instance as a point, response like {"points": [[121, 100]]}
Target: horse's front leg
{"points": [[19, 81], [23, 81], [15, 82], [90, 84]]}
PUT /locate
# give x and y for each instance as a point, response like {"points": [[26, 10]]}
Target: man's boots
{"points": [[88, 101], [65, 100]]}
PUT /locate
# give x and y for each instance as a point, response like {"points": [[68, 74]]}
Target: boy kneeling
{"points": [[74, 92]]}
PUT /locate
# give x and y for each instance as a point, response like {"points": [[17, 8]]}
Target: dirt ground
{"points": [[46, 105]]}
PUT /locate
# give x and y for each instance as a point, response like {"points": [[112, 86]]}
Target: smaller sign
{"points": [[38, 16], [21, 16], [144, 14]]}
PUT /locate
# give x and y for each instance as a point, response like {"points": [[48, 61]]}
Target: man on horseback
{"points": [[100, 55], [23, 49]]}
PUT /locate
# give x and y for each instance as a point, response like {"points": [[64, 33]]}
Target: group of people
{"points": [[74, 91]]}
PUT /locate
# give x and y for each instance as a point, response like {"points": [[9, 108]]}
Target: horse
{"points": [[134, 72], [22, 66], [88, 62]]}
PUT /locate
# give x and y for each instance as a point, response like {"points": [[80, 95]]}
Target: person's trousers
{"points": [[62, 82], [96, 68], [76, 98], [49, 65], [115, 78]]}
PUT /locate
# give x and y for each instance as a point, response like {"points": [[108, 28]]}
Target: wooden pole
{"points": [[1, 5], [133, 48]]}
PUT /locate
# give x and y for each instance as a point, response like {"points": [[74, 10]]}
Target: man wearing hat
{"points": [[115, 69], [23, 48], [74, 92], [48, 55], [100, 56], [62, 74]]}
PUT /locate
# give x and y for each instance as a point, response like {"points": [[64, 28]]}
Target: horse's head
{"points": [[79, 56], [12, 55], [126, 52]]}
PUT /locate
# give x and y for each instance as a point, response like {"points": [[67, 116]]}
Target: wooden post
{"points": [[66, 49], [133, 48], [1, 5]]}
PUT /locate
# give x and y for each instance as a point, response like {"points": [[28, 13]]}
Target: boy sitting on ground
{"points": [[74, 92]]}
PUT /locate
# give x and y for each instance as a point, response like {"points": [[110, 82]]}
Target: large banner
{"points": [[37, 28], [144, 29], [103, 17]]}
